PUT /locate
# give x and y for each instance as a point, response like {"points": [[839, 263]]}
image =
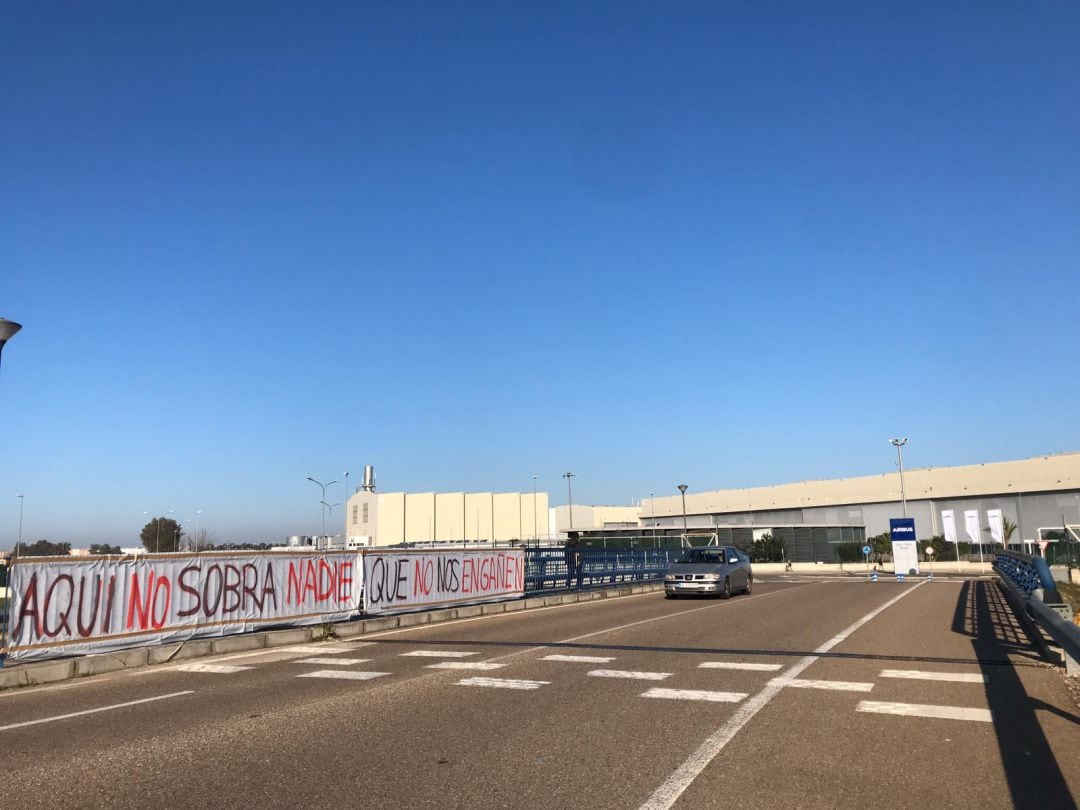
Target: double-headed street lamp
{"points": [[322, 500], [899, 445]]}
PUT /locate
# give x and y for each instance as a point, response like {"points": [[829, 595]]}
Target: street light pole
{"points": [[198, 514], [682, 489], [7, 331], [570, 500], [536, 536], [322, 500], [19, 542], [899, 445]]}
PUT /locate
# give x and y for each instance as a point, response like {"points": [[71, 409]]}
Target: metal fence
{"points": [[1032, 591], [571, 569]]}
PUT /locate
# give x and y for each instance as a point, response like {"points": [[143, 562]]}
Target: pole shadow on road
{"points": [[1032, 771]]}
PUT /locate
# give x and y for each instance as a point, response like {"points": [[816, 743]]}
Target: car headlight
{"points": [[669, 577], [712, 577]]}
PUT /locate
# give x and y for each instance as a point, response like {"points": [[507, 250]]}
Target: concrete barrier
{"points": [[101, 663], [233, 644]]}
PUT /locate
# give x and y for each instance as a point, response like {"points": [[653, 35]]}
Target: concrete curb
{"points": [[46, 672]]}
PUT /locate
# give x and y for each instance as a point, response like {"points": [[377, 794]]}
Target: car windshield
{"points": [[703, 555]]}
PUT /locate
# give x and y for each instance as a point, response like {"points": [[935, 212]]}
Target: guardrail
{"points": [[1031, 589], [570, 569]]}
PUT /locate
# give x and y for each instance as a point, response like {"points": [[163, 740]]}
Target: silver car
{"points": [[715, 570]]}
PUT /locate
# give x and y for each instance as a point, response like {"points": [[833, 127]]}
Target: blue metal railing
{"points": [[569, 569], [1025, 571]]}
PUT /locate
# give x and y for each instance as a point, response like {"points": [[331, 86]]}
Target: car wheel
{"points": [[669, 596], [726, 593], [749, 585]]}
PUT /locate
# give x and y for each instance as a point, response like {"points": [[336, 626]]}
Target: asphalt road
{"points": [[804, 694]]}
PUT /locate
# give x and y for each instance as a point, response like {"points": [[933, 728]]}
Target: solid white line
{"points": [[580, 659], [740, 665], [464, 665], [94, 711], [502, 683], [668, 793], [216, 669], [921, 710], [343, 674], [836, 686], [437, 654], [627, 673], [332, 662], [918, 675], [695, 694]]}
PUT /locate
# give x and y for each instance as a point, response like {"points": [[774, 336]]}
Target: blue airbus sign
{"points": [[902, 528]]}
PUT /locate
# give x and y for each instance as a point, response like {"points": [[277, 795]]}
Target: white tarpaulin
{"points": [[948, 525], [64, 605], [997, 525], [971, 525], [409, 580]]}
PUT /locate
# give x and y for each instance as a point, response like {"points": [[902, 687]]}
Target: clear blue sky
{"points": [[726, 244]]}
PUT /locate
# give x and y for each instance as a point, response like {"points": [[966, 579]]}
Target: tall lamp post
{"points": [[570, 501], [7, 331], [19, 541], [322, 500], [899, 445], [198, 514], [536, 536], [682, 490], [330, 510]]}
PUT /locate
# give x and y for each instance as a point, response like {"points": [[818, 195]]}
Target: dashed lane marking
{"points": [[919, 675], [580, 659], [502, 683], [628, 673], [695, 694], [93, 711], [216, 669], [332, 662], [437, 654], [464, 665], [923, 710], [343, 674], [740, 665], [835, 686], [308, 649]]}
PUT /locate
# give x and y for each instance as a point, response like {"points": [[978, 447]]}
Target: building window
{"points": [[365, 513], [354, 513]]}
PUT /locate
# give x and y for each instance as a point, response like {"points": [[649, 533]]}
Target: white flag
{"points": [[971, 525], [997, 526], [948, 525]]}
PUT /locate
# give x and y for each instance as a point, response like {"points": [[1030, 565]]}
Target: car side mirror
{"points": [[732, 560]]}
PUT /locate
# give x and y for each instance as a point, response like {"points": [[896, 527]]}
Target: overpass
{"points": [[812, 692]]}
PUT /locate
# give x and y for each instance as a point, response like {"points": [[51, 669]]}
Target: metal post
{"points": [[570, 500], [19, 542], [899, 444], [536, 534], [322, 500], [682, 489]]}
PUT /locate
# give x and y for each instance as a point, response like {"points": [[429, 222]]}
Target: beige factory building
{"points": [[388, 518]]}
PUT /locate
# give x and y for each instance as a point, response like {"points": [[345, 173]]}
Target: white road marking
{"points": [[308, 649], [437, 654], [695, 694], [343, 674], [464, 665], [668, 793], [836, 686], [332, 662], [580, 659], [217, 669], [919, 675], [502, 683], [94, 711], [921, 710], [628, 673], [740, 665]]}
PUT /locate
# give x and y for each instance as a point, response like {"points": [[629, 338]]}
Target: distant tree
{"points": [[768, 549], [1008, 529], [42, 548], [242, 547], [881, 547], [161, 534], [105, 548]]}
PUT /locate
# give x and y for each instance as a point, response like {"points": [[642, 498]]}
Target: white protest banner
{"points": [[410, 580], [948, 525], [65, 605], [971, 525], [997, 525]]}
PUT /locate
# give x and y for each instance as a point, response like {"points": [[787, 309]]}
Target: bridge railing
{"points": [[1031, 589], [567, 569]]}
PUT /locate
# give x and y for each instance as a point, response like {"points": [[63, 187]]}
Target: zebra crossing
{"points": [[333, 663]]}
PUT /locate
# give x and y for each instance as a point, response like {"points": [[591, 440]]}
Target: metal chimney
{"points": [[369, 478]]}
